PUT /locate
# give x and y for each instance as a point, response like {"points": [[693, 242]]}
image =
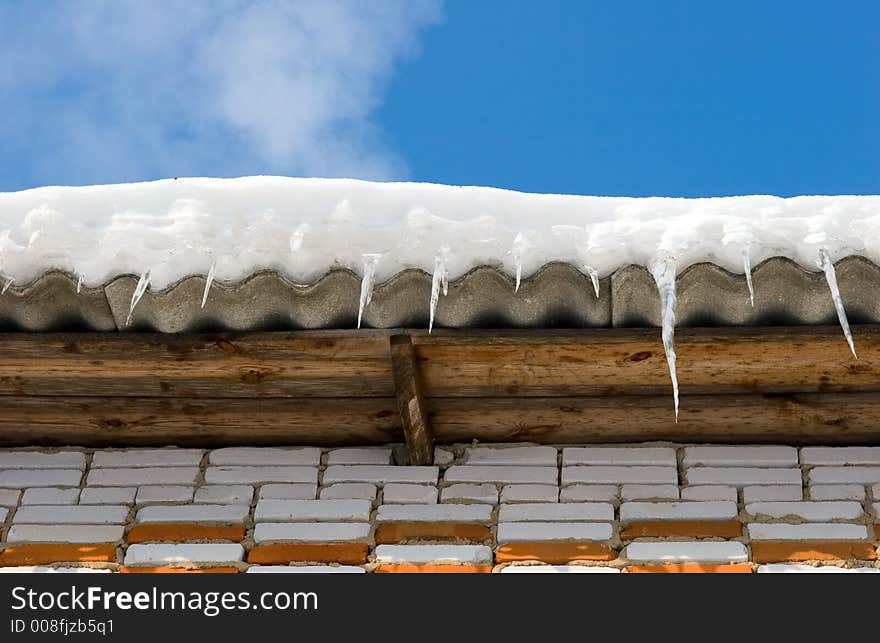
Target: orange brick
{"points": [[774, 551], [555, 553], [282, 553], [407, 568], [689, 568], [683, 528], [177, 570], [183, 532], [395, 532], [45, 554]]}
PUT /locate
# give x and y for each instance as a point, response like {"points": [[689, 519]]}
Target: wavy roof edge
{"points": [[556, 296]]}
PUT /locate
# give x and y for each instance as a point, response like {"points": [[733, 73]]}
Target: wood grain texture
{"points": [[107, 421], [410, 401]]}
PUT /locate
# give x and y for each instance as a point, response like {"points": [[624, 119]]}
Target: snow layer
{"points": [[166, 230]]}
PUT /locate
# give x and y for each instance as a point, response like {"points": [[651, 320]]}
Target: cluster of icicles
{"points": [[663, 270]]}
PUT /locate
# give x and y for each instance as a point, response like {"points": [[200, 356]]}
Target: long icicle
{"points": [[6, 286], [139, 291], [438, 280], [827, 266], [79, 283], [370, 261], [517, 249], [663, 271], [747, 269], [208, 281]]}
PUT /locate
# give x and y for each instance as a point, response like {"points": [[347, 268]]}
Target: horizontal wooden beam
{"points": [[108, 421], [451, 364]]}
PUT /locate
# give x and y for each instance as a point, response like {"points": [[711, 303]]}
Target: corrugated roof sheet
{"points": [[558, 296]]}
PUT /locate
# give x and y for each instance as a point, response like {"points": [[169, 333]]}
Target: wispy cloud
{"points": [[109, 90]]}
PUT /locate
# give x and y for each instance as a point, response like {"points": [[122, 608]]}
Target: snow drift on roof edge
{"points": [[304, 228]]}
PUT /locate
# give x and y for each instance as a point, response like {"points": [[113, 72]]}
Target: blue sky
{"points": [[578, 96]]}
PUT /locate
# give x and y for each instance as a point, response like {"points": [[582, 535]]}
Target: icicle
{"points": [[826, 264], [208, 282], [439, 279], [79, 284], [370, 261], [747, 269], [517, 249], [6, 285], [663, 271], [594, 277], [139, 291]]}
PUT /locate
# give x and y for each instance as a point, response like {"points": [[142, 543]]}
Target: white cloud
{"points": [[106, 90]]}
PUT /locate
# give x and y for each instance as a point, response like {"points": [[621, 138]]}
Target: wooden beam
{"points": [[410, 402], [206, 422], [836, 418]]}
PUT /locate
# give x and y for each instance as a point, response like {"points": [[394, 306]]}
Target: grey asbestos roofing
{"points": [[558, 296]]}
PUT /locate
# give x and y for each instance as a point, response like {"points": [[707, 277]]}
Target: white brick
{"points": [[709, 492], [402, 493], [148, 458], [501, 473], [255, 475], [3, 513], [558, 569], [380, 474], [162, 493], [807, 531], [352, 490], [740, 456], [266, 456], [441, 554], [672, 552], [312, 532], [688, 510], [44, 569], [146, 476], [840, 455], [619, 456], [791, 568], [71, 515], [876, 507], [38, 460], [875, 491], [434, 513], [9, 497], [649, 491], [760, 493], [547, 512], [303, 510], [517, 455], [50, 496], [164, 554], [19, 478], [65, 533], [512, 532], [837, 492], [464, 492], [529, 493], [301, 491], [844, 475], [360, 455], [587, 492], [107, 495], [815, 511], [193, 513], [620, 475], [742, 476], [305, 569], [442, 456], [237, 494]]}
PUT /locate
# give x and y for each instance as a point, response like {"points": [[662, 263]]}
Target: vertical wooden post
{"points": [[410, 401]]}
